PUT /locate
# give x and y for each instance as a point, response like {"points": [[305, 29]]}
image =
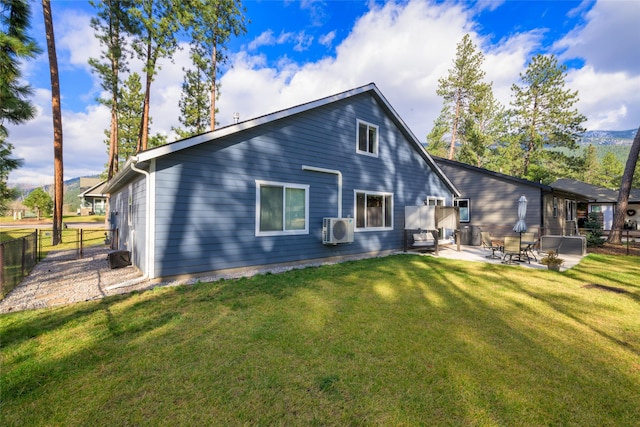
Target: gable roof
{"points": [[95, 191], [498, 175], [129, 168], [593, 192]]}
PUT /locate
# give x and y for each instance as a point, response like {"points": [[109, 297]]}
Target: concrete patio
{"points": [[479, 254]]}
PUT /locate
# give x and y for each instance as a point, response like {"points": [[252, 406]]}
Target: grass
{"points": [[67, 218], [401, 340], [70, 238]]}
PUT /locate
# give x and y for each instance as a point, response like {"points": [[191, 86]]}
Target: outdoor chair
{"points": [[528, 242], [511, 248], [489, 245]]}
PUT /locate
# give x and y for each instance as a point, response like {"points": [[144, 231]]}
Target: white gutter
{"points": [[331, 171], [147, 223]]}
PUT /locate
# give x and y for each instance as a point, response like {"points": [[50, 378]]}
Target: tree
{"points": [[590, 166], [58, 173], [610, 171], [157, 25], [130, 104], [15, 108], [7, 164], [615, 236], [211, 25], [194, 104], [482, 127], [15, 46], [542, 113], [40, 201], [461, 88], [111, 28]]}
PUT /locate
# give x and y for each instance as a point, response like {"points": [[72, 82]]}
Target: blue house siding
{"points": [[206, 195], [130, 223], [200, 214]]}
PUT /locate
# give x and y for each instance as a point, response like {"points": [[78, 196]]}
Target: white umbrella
{"points": [[521, 226]]}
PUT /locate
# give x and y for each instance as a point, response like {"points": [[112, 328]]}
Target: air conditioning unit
{"points": [[337, 230]]}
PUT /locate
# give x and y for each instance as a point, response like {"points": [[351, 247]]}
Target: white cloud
{"points": [[609, 39], [327, 39], [403, 47]]}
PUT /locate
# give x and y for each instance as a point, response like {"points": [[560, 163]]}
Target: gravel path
{"points": [[57, 280]]}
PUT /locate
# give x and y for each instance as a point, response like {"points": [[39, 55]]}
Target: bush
{"points": [[594, 230]]}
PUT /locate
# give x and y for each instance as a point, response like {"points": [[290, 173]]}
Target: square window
{"points": [[374, 210], [281, 208]]}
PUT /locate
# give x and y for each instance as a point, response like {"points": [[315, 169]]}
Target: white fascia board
{"points": [[231, 129]]}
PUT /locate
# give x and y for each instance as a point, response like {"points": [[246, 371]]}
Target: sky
{"points": [[299, 51]]}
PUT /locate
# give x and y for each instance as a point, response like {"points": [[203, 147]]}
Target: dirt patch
{"points": [[609, 249]]}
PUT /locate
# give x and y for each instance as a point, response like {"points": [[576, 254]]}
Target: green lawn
{"points": [[402, 340]]}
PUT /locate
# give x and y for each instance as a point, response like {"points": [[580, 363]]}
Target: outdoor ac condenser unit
{"points": [[337, 230]]}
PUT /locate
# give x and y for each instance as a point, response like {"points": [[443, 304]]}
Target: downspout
{"points": [[331, 171], [147, 223]]}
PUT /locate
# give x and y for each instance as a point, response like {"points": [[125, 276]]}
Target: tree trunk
{"points": [[615, 236], [58, 172]]}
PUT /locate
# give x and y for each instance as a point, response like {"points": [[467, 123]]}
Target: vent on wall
{"points": [[337, 230]]}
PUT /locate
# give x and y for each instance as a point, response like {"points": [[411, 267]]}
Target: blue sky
{"points": [[298, 51]]}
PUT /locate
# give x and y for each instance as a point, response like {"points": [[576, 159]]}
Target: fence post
{"points": [[24, 252], [81, 243], [1, 268]]}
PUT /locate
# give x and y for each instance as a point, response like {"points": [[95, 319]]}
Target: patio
{"points": [[479, 254]]}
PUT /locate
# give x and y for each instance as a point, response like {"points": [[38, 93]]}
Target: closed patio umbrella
{"points": [[521, 226]]}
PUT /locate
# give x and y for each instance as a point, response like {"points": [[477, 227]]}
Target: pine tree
{"points": [[15, 46], [58, 164], [543, 113], [15, 108], [211, 25], [461, 88], [610, 171], [157, 25], [111, 28], [194, 102]]}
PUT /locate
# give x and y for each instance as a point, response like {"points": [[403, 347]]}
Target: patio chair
{"points": [[528, 240], [489, 245], [511, 248]]}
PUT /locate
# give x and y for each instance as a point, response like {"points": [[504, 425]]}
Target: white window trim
{"points": [[377, 142], [130, 205], [284, 186], [455, 203], [372, 193], [436, 198]]}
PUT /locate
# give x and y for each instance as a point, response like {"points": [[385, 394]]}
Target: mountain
{"points": [[608, 137]]}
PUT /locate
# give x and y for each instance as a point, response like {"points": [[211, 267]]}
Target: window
{"points": [[570, 210], [367, 138], [130, 206], [374, 210], [434, 201], [463, 205], [555, 207], [281, 208]]}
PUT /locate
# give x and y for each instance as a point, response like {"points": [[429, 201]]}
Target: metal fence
{"points": [[17, 259], [73, 242]]}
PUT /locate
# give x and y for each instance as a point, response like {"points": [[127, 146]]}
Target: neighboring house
{"points": [[489, 202], [603, 201], [93, 200], [260, 192]]}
